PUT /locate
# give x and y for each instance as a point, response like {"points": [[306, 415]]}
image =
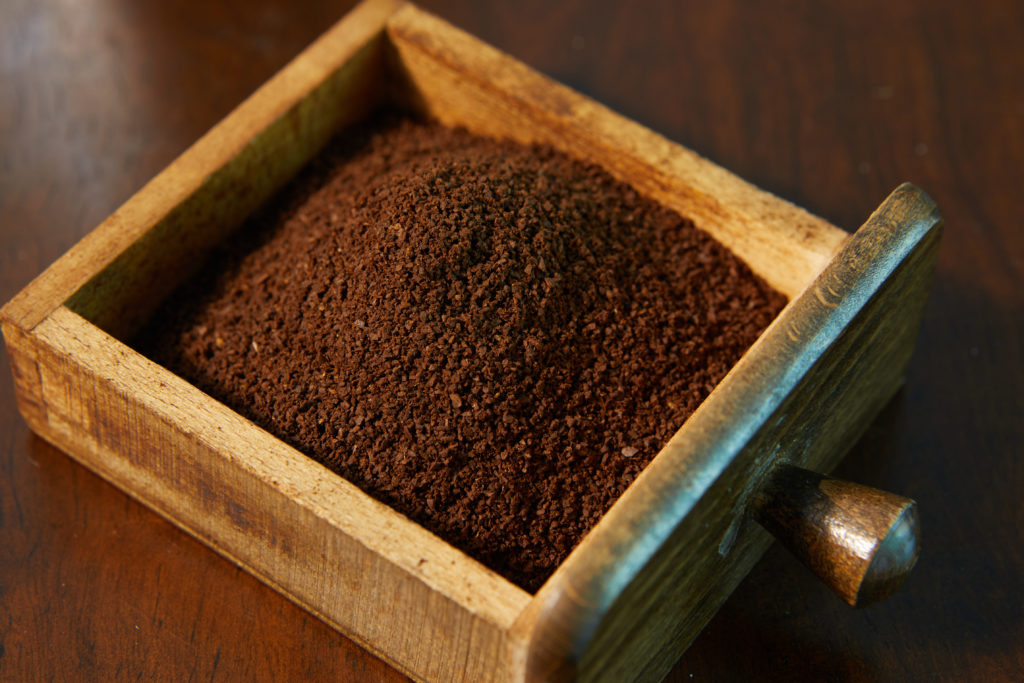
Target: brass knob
{"points": [[862, 542]]}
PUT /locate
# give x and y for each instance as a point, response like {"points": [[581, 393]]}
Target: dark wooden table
{"points": [[830, 107]]}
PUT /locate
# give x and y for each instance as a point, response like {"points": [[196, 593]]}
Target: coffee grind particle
{"points": [[493, 339]]}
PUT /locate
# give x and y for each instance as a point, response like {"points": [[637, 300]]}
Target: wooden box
{"points": [[647, 578]]}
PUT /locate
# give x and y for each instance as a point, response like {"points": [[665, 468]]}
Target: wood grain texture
{"points": [[860, 541], [268, 508], [823, 105], [160, 235], [678, 540], [454, 78]]}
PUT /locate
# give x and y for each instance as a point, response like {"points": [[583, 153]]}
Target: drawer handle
{"points": [[860, 541]]}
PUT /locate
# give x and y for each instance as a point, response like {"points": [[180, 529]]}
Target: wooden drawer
{"points": [[647, 578]]}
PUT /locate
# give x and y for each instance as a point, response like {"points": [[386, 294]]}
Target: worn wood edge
{"points": [[187, 174], [462, 622], [457, 79], [441, 659], [78, 444], [122, 296], [171, 399], [560, 623], [25, 371], [814, 427]]}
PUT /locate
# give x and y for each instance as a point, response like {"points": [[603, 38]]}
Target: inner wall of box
{"points": [[125, 294], [453, 78]]}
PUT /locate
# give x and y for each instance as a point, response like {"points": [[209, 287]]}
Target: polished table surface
{"points": [[827, 105]]}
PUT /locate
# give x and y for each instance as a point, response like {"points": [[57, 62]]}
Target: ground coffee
{"points": [[490, 338]]}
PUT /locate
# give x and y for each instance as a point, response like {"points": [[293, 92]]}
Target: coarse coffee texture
{"points": [[493, 339]]}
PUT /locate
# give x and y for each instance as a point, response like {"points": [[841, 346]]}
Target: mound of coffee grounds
{"points": [[493, 339]]}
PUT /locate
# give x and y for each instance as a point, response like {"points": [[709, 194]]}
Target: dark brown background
{"points": [[830, 107]]}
